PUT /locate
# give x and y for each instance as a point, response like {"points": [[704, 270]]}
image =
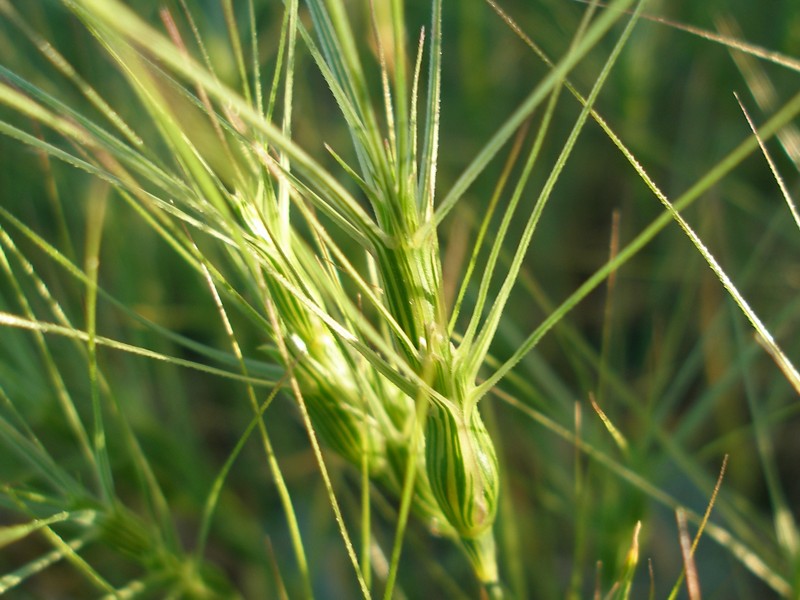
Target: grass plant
{"points": [[211, 208]]}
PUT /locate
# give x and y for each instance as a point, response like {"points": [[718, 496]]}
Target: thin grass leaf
{"points": [[484, 339], [213, 496], [700, 529], [344, 210], [388, 107], [421, 407], [11, 320], [430, 148], [67, 550], [13, 579], [784, 524], [13, 533], [236, 45], [625, 582], [777, 58], [502, 180], [62, 394], [468, 341], [401, 91], [760, 87], [692, 579], [341, 66], [775, 350], [748, 557], [155, 494], [66, 69], [208, 109], [736, 156], [773, 168], [58, 258], [619, 439], [600, 26], [96, 217], [298, 395], [288, 88]]}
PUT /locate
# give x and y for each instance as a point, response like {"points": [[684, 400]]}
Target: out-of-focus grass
{"points": [[669, 358]]}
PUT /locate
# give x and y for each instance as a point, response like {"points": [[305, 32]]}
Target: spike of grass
{"points": [[376, 365]]}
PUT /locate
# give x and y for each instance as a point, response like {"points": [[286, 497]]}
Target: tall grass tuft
{"points": [[333, 271]]}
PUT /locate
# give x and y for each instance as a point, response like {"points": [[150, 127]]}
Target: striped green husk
{"points": [[462, 468], [411, 286], [460, 459], [353, 414]]}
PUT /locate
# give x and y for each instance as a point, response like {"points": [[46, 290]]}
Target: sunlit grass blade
{"points": [[236, 44], [487, 332], [152, 488], [761, 87], [63, 66], [12, 533], [619, 439], [60, 390], [744, 149], [11, 580], [430, 138], [742, 552], [254, 368], [779, 180], [96, 216], [598, 28], [625, 583], [286, 129], [784, 523], [11, 320], [690, 548], [298, 396], [484, 226], [343, 209], [469, 343], [258, 412], [762, 331]]}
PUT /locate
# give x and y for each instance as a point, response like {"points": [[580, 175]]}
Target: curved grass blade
{"points": [[736, 156], [600, 26]]}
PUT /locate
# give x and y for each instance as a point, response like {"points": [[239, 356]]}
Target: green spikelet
{"points": [[463, 471], [462, 467], [356, 413]]}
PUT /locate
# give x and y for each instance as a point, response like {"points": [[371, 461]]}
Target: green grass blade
{"points": [[404, 156], [62, 394], [283, 190], [236, 44], [298, 395], [430, 147], [11, 580], [11, 320], [742, 552], [66, 69], [96, 216], [489, 211], [600, 26], [736, 156], [343, 209], [213, 496], [482, 343]]}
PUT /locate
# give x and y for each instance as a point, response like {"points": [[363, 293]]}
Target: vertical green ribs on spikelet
{"points": [[460, 458], [462, 467], [352, 409]]}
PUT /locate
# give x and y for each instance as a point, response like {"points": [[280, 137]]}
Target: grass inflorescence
{"points": [[293, 161]]}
